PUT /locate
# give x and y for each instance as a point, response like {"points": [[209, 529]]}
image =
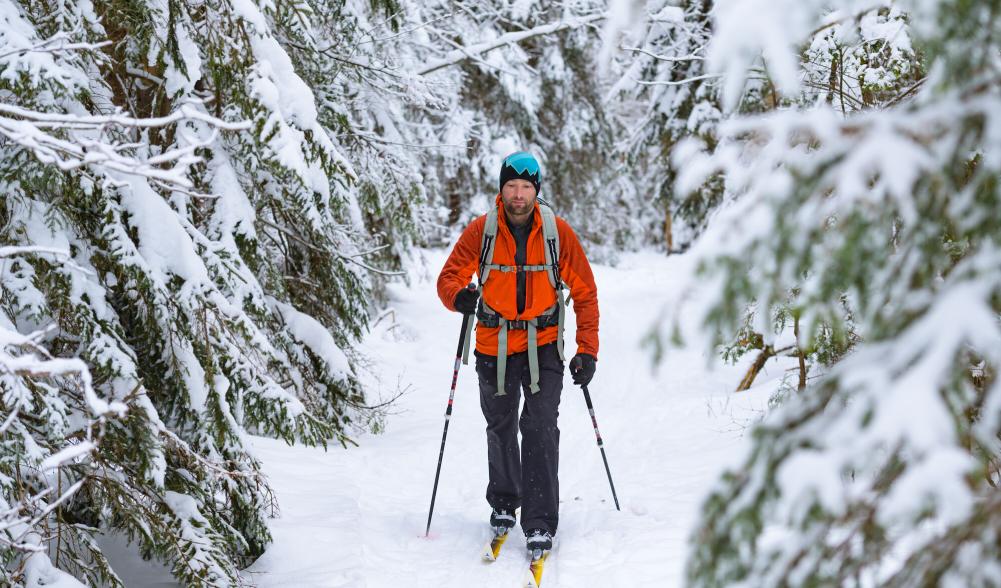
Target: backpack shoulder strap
{"points": [[487, 243], [551, 235], [552, 246]]}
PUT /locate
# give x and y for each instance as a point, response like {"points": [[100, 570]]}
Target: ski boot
{"points": [[502, 520], [538, 541]]}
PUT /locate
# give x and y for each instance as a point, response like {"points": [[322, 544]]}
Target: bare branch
{"points": [[678, 82], [663, 58], [49, 46], [460, 55], [186, 111]]}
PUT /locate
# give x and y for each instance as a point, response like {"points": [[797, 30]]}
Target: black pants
{"points": [[526, 478]]}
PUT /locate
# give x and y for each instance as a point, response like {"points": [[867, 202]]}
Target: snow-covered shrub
{"points": [[863, 62], [866, 62], [884, 471]]}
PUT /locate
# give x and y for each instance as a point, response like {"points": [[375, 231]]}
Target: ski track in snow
{"points": [[356, 518]]}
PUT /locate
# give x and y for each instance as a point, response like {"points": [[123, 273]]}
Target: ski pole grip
{"points": [[470, 288]]}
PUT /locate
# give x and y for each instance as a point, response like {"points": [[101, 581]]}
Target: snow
{"points": [[806, 476], [19, 53], [315, 336], [69, 453], [235, 213], [356, 517], [40, 573], [163, 242], [184, 82], [937, 481]]}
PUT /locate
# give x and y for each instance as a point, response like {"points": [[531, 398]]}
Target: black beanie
{"points": [[521, 166]]}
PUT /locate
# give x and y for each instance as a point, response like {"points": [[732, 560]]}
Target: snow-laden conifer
{"points": [[866, 62], [178, 215], [520, 77], [885, 471], [660, 89]]}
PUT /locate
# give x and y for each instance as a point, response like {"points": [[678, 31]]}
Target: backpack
{"points": [[554, 317]]}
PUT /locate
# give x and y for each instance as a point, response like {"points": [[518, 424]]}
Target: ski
{"points": [[492, 549], [533, 577]]}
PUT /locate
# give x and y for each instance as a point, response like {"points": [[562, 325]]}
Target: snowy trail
{"points": [[356, 518]]}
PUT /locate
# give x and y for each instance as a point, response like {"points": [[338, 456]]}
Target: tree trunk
{"points": [[668, 234], [802, 358], [755, 368]]}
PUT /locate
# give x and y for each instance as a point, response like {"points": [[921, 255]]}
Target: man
{"points": [[519, 341]]}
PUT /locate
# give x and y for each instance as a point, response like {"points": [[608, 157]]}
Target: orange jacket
{"points": [[499, 290]]}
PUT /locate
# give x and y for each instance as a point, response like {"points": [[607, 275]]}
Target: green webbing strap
{"points": [[533, 357], [551, 234], [487, 244], [501, 357], [559, 328]]}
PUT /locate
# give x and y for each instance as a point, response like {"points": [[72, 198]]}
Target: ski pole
{"points": [[601, 444], [448, 414]]}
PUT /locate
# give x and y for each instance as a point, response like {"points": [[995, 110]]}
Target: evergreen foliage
{"points": [[540, 95], [862, 64], [666, 96], [880, 194], [177, 214]]}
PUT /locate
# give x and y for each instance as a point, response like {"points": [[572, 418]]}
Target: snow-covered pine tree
{"points": [[662, 93], [885, 471], [860, 63], [53, 420], [521, 77], [388, 118], [213, 283]]}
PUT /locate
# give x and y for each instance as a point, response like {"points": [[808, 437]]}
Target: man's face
{"points": [[518, 196]]}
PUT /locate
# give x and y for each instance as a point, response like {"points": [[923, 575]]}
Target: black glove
{"points": [[465, 300], [582, 368]]}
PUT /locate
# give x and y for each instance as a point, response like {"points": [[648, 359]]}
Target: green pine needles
{"points": [[869, 214], [178, 215]]}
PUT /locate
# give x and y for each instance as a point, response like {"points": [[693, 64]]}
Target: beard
{"points": [[519, 209]]}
